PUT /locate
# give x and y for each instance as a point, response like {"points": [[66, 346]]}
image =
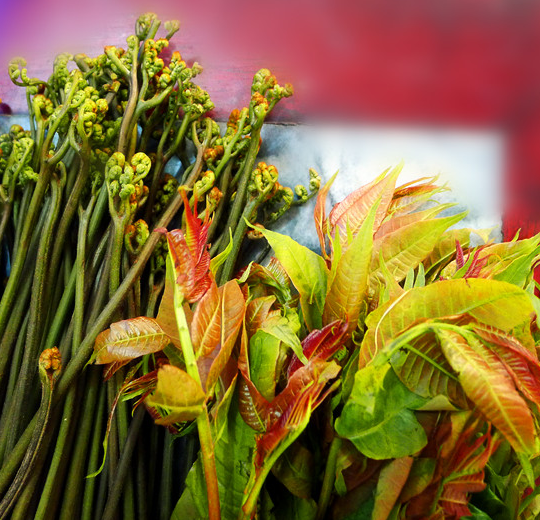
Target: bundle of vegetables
{"points": [[394, 376], [118, 146]]}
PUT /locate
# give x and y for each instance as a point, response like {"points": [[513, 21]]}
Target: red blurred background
{"points": [[458, 63]]}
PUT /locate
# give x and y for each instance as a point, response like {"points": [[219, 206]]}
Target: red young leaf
{"points": [[520, 362], [320, 344], [290, 411], [190, 255], [488, 385]]}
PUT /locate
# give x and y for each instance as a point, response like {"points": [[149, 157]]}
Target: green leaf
{"points": [[293, 508], [264, 352], [233, 453], [378, 417], [178, 394], [218, 260], [423, 369], [349, 286], [307, 271], [285, 328], [295, 469]]}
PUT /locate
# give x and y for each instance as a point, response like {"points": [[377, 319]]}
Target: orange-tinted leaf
{"points": [[391, 481], [522, 364], [257, 312], [351, 212], [321, 223], [129, 339], [408, 246], [290, 411], [395, 222], [410, 196], [206, 324], [177, 394], [229, 311], [166, 317], [488, 385]]}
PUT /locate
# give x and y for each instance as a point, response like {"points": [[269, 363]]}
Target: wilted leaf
{"points": [[378, 417], [178, 394]]}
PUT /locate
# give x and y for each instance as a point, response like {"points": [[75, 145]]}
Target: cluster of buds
{"points": [[135, 236], [15, 159], [263, 182], [265, 93], [124, 182]]}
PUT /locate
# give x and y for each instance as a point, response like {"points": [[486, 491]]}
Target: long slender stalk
{"points": [[123, 466], [48, 385], [77, 363], [93, 459], [203, 420], [165, 481], [37, 310], [53, 488], [328, 479]]}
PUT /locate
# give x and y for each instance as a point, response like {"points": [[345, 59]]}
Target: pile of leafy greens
{"points": [[393, 376]]}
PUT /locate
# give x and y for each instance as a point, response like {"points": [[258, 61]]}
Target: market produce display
{"points": [[155, 364]]}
